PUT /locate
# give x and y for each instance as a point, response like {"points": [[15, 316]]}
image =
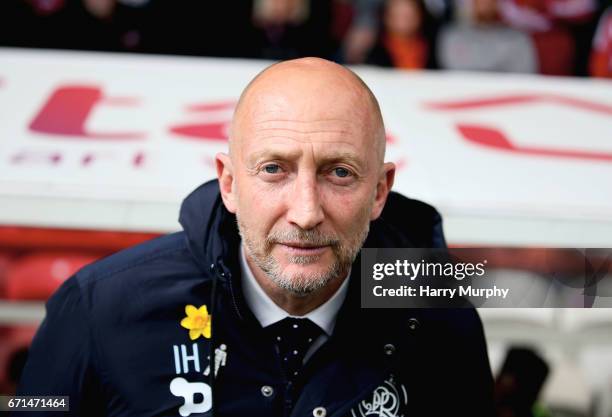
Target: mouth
{"points": [[300, 248]]}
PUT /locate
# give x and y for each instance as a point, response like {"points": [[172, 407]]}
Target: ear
{"points": [[225, 175], [383, 187]]}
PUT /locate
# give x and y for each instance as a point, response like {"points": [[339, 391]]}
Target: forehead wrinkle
{"points": [[300, 127], [304, 140], [302, 130], [330, 121], [318, 127], [274, 109], [279, 130], [282, 108]]}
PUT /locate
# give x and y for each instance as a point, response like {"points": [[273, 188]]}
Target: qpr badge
{"points": [[387, 400]]}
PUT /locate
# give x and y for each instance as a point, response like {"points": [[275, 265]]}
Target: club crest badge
{"points": [[387, 400], [198, 321]]}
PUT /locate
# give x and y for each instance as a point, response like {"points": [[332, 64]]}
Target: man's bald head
{"points": [[317, 89]]}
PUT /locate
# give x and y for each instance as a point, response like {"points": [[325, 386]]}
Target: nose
{"points": [[304, 206]]}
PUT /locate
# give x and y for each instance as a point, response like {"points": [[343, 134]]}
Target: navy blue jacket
{"points": [[113, 342]]}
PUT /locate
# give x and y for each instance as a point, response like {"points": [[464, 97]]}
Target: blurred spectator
{"points": [[286, 29], [104, 25], [402, 43], [361, 36], [365, 27], [188, 27], [34, 23], [483, 43], [203, 28], [561, 30], [542, 15], [441, 10], [601, 54], [556, 51]]}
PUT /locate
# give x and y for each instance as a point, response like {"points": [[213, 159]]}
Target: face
{"points": [[403, 17], [278, 11], [102, 9], [304, 186], [485, 11]]}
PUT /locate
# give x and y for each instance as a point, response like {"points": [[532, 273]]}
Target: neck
{"points": [[293, 304]]}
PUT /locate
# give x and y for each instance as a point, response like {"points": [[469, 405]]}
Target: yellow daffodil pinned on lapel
{"points": [[197, 321]]}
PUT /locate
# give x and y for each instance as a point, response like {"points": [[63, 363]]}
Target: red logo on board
{"points": [[494, 138]]}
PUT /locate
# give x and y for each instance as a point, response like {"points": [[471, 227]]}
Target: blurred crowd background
{"points": [[551, 37]]}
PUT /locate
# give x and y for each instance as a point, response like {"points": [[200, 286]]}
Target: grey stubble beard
{"points": [[302, 284]]}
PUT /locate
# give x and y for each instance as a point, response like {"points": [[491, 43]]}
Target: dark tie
{"points": [[293, 337]]}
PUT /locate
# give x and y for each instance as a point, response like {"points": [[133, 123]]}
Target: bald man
{"points": [[254, 308]]}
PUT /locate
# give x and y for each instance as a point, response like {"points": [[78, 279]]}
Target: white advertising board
{"points": [[115, 141]]}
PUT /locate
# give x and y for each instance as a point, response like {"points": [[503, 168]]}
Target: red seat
{"points": [[36, 276], [5, 260]]}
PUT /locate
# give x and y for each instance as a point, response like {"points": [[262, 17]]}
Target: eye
{"points": [[341, 172], [271, 169]]}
